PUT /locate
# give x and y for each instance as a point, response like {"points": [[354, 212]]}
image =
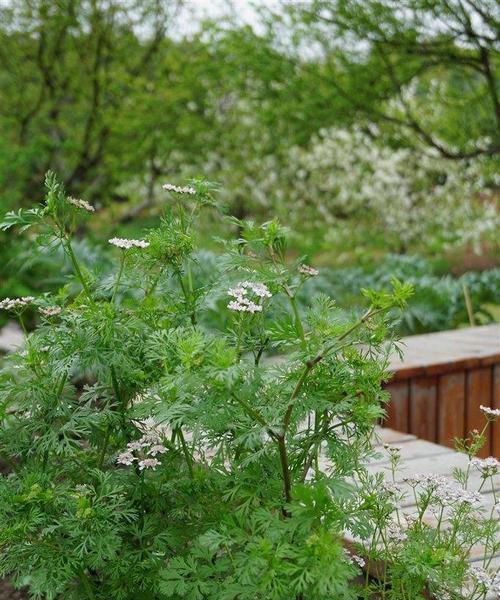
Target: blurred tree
{"points": [[68, 68], [428, 68]]}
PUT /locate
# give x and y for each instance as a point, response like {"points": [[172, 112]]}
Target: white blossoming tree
{"points": [[412, 198]]}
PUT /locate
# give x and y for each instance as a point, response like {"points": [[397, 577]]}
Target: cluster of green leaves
{"points": [[253, 488], [438, 302]]}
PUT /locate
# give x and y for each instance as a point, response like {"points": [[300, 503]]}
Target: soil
{"points": [[7, 592]]}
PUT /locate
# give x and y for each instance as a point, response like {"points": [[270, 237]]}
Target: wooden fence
{"points": [[443, 379]]}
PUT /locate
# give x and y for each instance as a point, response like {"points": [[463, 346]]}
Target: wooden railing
{"points": [[443, 379]]}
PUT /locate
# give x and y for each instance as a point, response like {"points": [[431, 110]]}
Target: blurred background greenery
{"points": [[370, 127]]}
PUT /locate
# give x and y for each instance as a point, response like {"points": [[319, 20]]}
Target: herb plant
{"points": [[151, 456]]}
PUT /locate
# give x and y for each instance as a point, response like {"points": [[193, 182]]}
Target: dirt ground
{"points": [[7, 592]]}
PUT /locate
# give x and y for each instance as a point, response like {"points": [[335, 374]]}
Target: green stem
{"points": [[255, 414], [60, 387], [185, 451], [468, 304], [121, 400], [287, 482], [76, 267], [187, 298], [117, 283], [104, 447], [23, 325]]}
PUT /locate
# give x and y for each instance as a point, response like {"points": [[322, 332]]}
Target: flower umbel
{"points": [[308, 271], [126, 244], [82, 204], [15, 303], [50, 311], [169, 187], [490, 413], [242, 302]]}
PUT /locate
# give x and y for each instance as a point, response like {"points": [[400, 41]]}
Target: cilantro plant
{"points": [[150, 455]]}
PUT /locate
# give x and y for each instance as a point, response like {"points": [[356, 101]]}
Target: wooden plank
{"points": [[495, 430], [423, 408], [447, 351], [478, 392], [389, 436], [451, 408], [398, 406]]}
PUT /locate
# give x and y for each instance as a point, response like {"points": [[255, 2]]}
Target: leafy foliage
{"points": [[151, 456]]}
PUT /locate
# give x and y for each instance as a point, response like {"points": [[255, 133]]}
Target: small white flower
{"points": [[395, 534], [157, 449], [236, 292], [487, 466], [83, 204], [242, 302], [259, 289], [247, 306], [169, 187], [391, 488], [491, 583], [354, 558], [13, 303], [125, 244], [50, 311], [148, 463], [132, 446], [125, 458], [491, 413], [308, 271]]}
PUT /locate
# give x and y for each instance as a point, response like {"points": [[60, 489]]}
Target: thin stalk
{"points": [[60, 387], [117, 283], [468, 304], [187, 298], [310, 364], [254, 413], [185, 451], [76, 267], [260, 352], [118, 395], [104, 447], [287, 482], [23, 325]]}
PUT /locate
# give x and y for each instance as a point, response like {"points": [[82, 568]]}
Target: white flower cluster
{"points": [[50, 311], [491, 413], [444, 491], [242, 302], [392, 489], [125, 244], [395, 534], [490, 583], [412, 195], [13, 303], [355, 559], [308, 271], [143, 451], [179, 189], [83, 204], [487, 466]]}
